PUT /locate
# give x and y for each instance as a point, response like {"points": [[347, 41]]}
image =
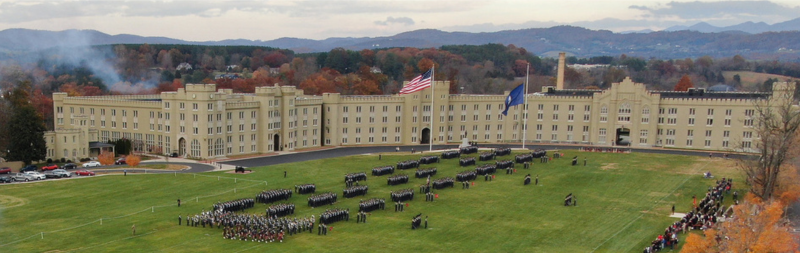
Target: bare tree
{"points": [[776, 121]]}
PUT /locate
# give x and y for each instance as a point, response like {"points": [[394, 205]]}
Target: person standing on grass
{"points": [[134, 229]]}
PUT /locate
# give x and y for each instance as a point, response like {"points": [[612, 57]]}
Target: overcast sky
{"points": [[203, 20]]}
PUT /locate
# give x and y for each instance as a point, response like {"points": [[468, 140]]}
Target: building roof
{"points": [[721, 87], [713, 94], [570, 92], [97, 144]]}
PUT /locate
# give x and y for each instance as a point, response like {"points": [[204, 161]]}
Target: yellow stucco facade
{"points": [[200, 121]]}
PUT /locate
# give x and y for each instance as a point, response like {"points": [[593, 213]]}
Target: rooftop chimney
{"points": [[561, 66]]}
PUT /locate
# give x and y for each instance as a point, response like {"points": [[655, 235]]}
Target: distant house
{"points": [[184, 66], [231, 67], [274, 71], [228, 76], [375, 70], [588, 66]]}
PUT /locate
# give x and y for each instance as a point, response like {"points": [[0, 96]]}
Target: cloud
{"points": [[724, 10], [398, 20], [21, 11]]}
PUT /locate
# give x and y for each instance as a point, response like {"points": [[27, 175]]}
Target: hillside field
{"points": [[624, 202]]}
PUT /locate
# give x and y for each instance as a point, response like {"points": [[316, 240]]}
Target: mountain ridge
{"points": [[680, 42]]}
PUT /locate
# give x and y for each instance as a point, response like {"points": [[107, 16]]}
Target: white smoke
{"points": [[74, 49]]}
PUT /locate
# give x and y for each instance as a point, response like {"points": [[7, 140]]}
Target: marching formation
{"points": [[334, 215], [233, 205], [270, 196], [466, 161], [402, 195], [504, 164], [404, 165], [353, 191], [397, 179], [280, 210], [442, 183], [485, 169], [305, 188], [502, 151], [415, 222], [383, 170], [428, 159], [450, 154], [466, 176], [327, 198], [423, 173], [371, 205], [257, 228], [355, 177], [468, 150], [486, 156]]}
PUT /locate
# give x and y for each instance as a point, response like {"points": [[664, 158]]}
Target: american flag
{"points": [[417, 84]]}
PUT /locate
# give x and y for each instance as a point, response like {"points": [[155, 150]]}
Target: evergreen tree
{"points": [[26, 128]]}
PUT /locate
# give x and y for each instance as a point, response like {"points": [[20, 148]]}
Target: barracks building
{"points": [[201, 122]]}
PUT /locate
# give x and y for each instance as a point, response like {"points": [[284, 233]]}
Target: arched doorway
{"points": [[623, 137], [182, 147], [276, 142], [426, 136]]}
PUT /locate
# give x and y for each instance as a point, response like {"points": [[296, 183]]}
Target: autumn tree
{"points": [[106, 158], [776, 124], [696, 243], [133, 160], [684, 84], [757, 227]]}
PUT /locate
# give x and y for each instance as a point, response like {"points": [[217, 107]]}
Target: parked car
{"points": [[28, 168], [120, 161], [84, 173], [57, 173], [5, 180], [36, 175], [49, 167], [22, 177], [5, 170], [174, 155], [69, 166], [92, 164]]}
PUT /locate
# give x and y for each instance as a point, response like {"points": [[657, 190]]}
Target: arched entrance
{"points": [[181, 146], [426, 136], [623, 137], [276, 142]]}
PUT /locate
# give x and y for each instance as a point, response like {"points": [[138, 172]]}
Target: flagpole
{"points": [[433, 97], [525, 108]]}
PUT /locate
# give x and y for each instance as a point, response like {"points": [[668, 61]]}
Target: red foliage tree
{"points": [[684, 84]]}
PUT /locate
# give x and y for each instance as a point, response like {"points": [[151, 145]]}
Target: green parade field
{"points": [[624, 202]]}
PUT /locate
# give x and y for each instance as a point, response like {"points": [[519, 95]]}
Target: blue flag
{"points": [[516, 97]]}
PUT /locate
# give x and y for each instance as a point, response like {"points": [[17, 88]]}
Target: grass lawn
{"points": [[623, 203]]}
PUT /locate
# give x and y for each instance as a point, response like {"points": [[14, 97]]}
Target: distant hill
{"points": [[577, 41], [746, 27]]}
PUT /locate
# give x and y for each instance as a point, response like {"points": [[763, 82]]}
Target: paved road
{"points": [[347, 151], [193, 168]]}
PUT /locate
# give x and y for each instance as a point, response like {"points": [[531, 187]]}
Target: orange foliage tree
{"points": [[106, 158], [133, 160], [684, 84], [756, 226], [696, 243]]}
